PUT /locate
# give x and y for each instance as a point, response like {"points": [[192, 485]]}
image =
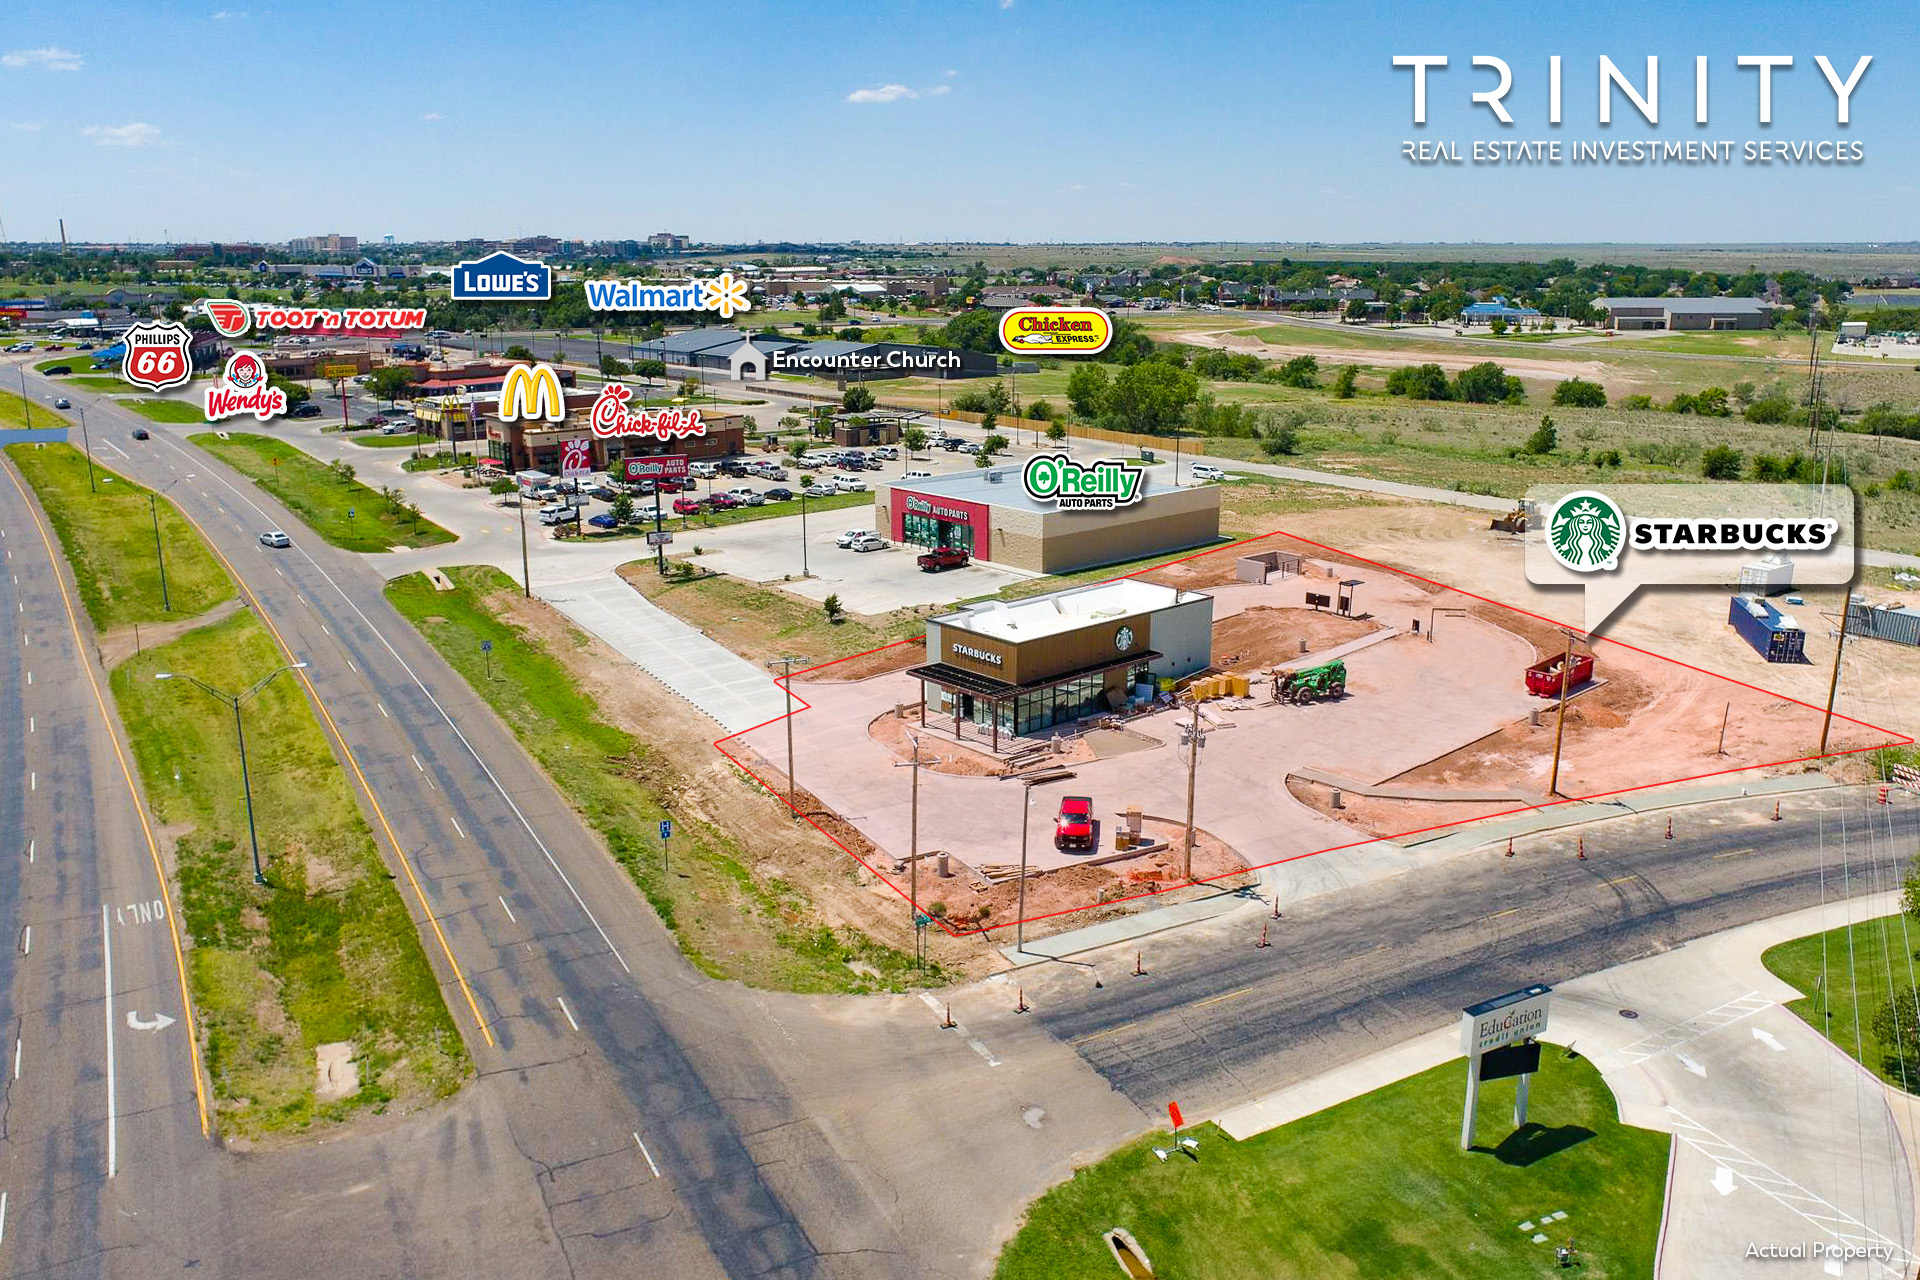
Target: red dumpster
{"points": [[1543, 677]]}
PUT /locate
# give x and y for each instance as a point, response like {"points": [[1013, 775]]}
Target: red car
{"points": [[686, 506], [723, 502], [942, 558], [1073, 829], [669, 485]]}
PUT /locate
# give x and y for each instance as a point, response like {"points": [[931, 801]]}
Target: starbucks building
{"points": [[1022, 667], [988, 514]]}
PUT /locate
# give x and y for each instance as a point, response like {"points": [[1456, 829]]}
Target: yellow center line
{"points": [[139, 807], [1108, 1032], [406, 863], [1217, 999], [1619, 880], [1498, 914], [1731, 853]]}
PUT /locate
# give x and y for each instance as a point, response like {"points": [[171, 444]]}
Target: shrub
{"points": [[1544, 439], [1578, 393], [1607, 458], [1769, 410], [1637, 402], [1419, 382], [1720, 463], [1343, 382], [831, 607]]}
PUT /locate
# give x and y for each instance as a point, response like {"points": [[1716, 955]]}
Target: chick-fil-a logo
{"points": [[611, 417]]}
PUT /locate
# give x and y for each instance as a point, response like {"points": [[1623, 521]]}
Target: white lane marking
{"points": [[31, 726], [26, 941], [16, 1059], [116, 448], [561, 1001], [383, 711], [1723, 1015], [973, 1042], [31, 845], [33, 780], [277, 573], [416, 762], [3, 1215], [323, 627], [504, 907], [113, 1135], [636, 1142], [351, 667], [302, 599], [456, 825]]}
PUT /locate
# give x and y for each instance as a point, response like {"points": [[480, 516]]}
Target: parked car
{"points": [[733, 467], [918, 475], [869, 544], [275, 538], [888, 452], [1201, 471], [603, 522], [141, 433], [83, 346], [746, 496], [724, 502], [778, 494], [63, 403], [559, 515], [687, 506], [304, 411], [772, 472], [820, 491], [942, 558], [968, 446], [849, 484], [57, 370], [18, 347], [950, 443], [1073, 828], [852, 536], [703, 470]]}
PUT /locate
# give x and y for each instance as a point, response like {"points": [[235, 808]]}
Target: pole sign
{"points": [[666, 466], [1517, 1015], [666, 828], [576, 459], [659, 537]]}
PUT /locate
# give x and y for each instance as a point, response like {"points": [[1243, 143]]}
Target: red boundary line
{"points": [[1895, 739]]}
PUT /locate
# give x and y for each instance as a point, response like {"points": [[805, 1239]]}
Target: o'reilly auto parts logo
{"points": [[1074, 486], [1586, 531], [501, 277]]}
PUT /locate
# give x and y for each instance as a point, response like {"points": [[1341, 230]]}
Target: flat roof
{"points": [[1069, 610], [1001, 487], [1683, 306]]}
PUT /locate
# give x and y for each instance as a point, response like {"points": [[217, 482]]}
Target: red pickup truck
{"points": [[942, 558], [1073, 829]]}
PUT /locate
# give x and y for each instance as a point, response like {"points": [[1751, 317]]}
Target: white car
{"points": [[849, 484], [918, 475], [747, 496], [852, 536], [868, 544], [886, 451], [1201, 471], [703, 470], [275, 538], [18, 347], [820, 491]]}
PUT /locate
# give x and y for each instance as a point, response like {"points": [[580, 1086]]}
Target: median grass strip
{"points": [[1376, 1187], [405, 440], [339, 508], [325, 952], [730, 924], [1851, 975], [181, 411], [108, 534], [15, 412]]}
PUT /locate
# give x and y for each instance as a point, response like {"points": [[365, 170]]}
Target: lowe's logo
{"points": [[501, 277], [1074, 486]]}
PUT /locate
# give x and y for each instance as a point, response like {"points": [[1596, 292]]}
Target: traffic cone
{"points": [[1883, 796], [1669, 828], [1263, 939], [1776, 811], [1509, 846], [1582, 855], [1276, 906], [1138, 971], [1021, 1007], [948, 1023]]}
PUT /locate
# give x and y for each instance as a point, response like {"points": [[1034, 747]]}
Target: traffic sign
{"points": [[666, 828], [486, 646]]}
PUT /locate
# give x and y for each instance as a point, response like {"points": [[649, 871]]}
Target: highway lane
{"points": [[1216, 1020], [575, 983], [104, 1139]]}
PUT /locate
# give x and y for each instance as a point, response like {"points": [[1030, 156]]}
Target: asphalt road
{"points": [[791, 1136]]}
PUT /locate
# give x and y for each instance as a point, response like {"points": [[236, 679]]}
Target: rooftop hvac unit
{"points": [[994, 477]]}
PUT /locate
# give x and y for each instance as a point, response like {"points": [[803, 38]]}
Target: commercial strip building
{"points": [[535, 446], [1686, 313], [1027, 666], [989, 515], [839, 360]]}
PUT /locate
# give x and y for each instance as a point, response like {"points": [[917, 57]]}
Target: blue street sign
{"points": [[486, 646], [666, 827]]}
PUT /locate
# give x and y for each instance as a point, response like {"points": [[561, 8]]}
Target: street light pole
{"points": [[153, 507], [86, 443], [1193, 768], [1020, 912], [526, 570], [236, 701], [1560, 721]]}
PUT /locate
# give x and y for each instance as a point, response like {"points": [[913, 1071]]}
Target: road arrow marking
{"points": [[1691, 1065], [160, 1022], [1766, 1038], [1723, 1180]]}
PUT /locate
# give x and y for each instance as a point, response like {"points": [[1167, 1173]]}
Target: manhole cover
{"points": [[1629, 1013]]}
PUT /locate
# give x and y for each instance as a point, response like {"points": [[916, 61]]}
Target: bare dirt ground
{"points": [[1520, 366], [948, 756], [699, 780], [1264, 635], [875, 663], [116, 646]]}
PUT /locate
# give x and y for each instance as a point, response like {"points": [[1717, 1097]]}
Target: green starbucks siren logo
{"points": [[1586, 531]]}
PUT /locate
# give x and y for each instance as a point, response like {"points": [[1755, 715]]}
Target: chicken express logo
{"points": [[1056, 331]]}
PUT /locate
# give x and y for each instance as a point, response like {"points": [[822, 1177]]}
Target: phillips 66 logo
{"points": [[157, 356]]}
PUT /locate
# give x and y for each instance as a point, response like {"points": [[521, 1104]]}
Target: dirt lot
{"points": [[1264, 635], [1520, 366]]}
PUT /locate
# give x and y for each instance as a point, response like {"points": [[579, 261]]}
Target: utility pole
{"points": [[913, 855], [526, 568], [1193, 767], [786, 681], [1020, 913], [1560, 723], [26, 406], [1833, 685]]}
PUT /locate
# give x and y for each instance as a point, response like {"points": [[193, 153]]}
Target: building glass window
{"points": [[927, 531]]}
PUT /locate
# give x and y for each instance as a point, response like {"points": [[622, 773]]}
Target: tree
{"points": [[1487, 383], [1151, 397], [518, 352], [1356, 310], [831, 607], [856, 400], [1720, 463], [1896, 1025], [1040, 411], [1544, 440], [1301, 371], [1497, 326], [1578, 393], [1419, 382], [622, 508], [993, 444], [1711, 403], [390, 382], [975, 330], [652, 370], [914, 438], [998, 398], [689, 388], [1343, 382], [1282, 437], [1087, 389], [614, 367], [296, 393], [343, 469], [1058, 432]]}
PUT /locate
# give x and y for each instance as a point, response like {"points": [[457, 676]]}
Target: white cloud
{"points": [[939, 89], [48, 59], [137, 134], [949, 73], [25, 126], [224, 14], [1006, 4], [885, 93], [431, 115]]}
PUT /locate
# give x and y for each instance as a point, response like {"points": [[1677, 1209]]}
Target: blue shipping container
{"points": [[1773, 635]]}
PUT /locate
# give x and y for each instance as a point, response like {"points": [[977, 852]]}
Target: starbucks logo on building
{"points": [[1123, 639], [1585, 532]]}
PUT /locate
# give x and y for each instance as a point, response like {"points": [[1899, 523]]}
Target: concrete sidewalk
{"points": [[730, 689]]}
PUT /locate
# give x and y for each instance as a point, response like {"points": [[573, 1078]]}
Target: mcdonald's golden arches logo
{"points": [[532, 393]]}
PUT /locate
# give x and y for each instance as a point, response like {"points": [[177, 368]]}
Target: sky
{"points": [[993, 120]]}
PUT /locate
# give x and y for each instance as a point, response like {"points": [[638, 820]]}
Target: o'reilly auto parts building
{"points": [[990, 515]]}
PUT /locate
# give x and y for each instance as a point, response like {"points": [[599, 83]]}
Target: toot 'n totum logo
{"points": [[158, 356], [1586, 531]]}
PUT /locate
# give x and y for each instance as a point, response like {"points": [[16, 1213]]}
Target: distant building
{"points": [[1686, 313], [333, 242], [1497, 308], [667, 242]]}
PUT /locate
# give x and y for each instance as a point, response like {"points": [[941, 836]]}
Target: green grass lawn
{"points": [[14, 412], [325, 951], [346, 513], [180, 411], [1848, 974], [405, 440], [95, 382], [728, 923], [108, 537], [1377, 1188]]}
